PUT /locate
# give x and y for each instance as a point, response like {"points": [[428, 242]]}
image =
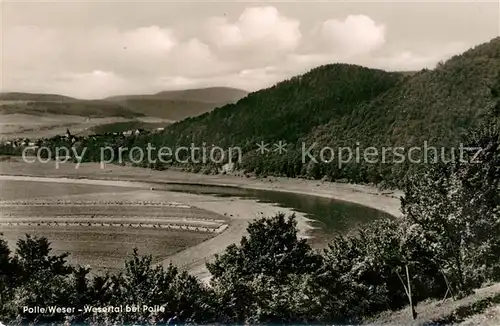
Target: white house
{"points": [[227, 168]]}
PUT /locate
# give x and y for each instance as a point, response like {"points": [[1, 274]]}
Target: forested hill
{"points": [[439, 106], [434, 105], [343, 104], [286, 111]]}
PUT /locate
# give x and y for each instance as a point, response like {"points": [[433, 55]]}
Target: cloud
{"points": [[29, 48], [260, 32], [408, 60], [193, 58], [149, 40], [98, 61], [138, 51], [94, 84], [254, 49], [355, 35], [247, 79], [103, 59]]}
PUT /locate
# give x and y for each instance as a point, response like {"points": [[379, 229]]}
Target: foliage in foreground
{"points": [[32, 277], [447, 244]]}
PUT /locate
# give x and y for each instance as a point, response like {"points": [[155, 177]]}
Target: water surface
{"points": [[330, 216]]}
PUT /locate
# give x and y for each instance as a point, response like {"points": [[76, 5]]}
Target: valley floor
{"points": [[387, 201], [239, 211], [21, 126]]}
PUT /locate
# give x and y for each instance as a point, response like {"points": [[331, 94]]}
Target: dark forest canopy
{"points": [[347, 105]]}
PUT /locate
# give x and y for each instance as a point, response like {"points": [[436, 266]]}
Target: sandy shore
{"points": [[240, 211], [388, 202]]}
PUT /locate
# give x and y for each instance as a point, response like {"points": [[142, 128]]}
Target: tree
{"points": [[42, 279], [455, 208], [181, 295], [364, 272], [271, 262], [8, 273]]}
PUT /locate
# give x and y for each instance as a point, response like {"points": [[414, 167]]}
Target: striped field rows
{"points": [[108, 213], [62, 202]]}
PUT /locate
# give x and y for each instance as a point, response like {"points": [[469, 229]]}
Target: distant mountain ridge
{"points": [[19, 96], [180, 104], [41, 104], [172, 105], [207, 95]]}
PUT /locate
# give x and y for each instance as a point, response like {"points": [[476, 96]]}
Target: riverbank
{"points": [[240, 211], [387, 201], [235, 212]]}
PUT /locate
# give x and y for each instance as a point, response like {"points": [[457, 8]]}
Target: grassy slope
{"points": [[489, 317], [86, 108], [480, 308], [172, 105]]}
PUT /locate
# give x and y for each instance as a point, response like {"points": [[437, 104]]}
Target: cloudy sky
{"points": [[92, 49]]}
